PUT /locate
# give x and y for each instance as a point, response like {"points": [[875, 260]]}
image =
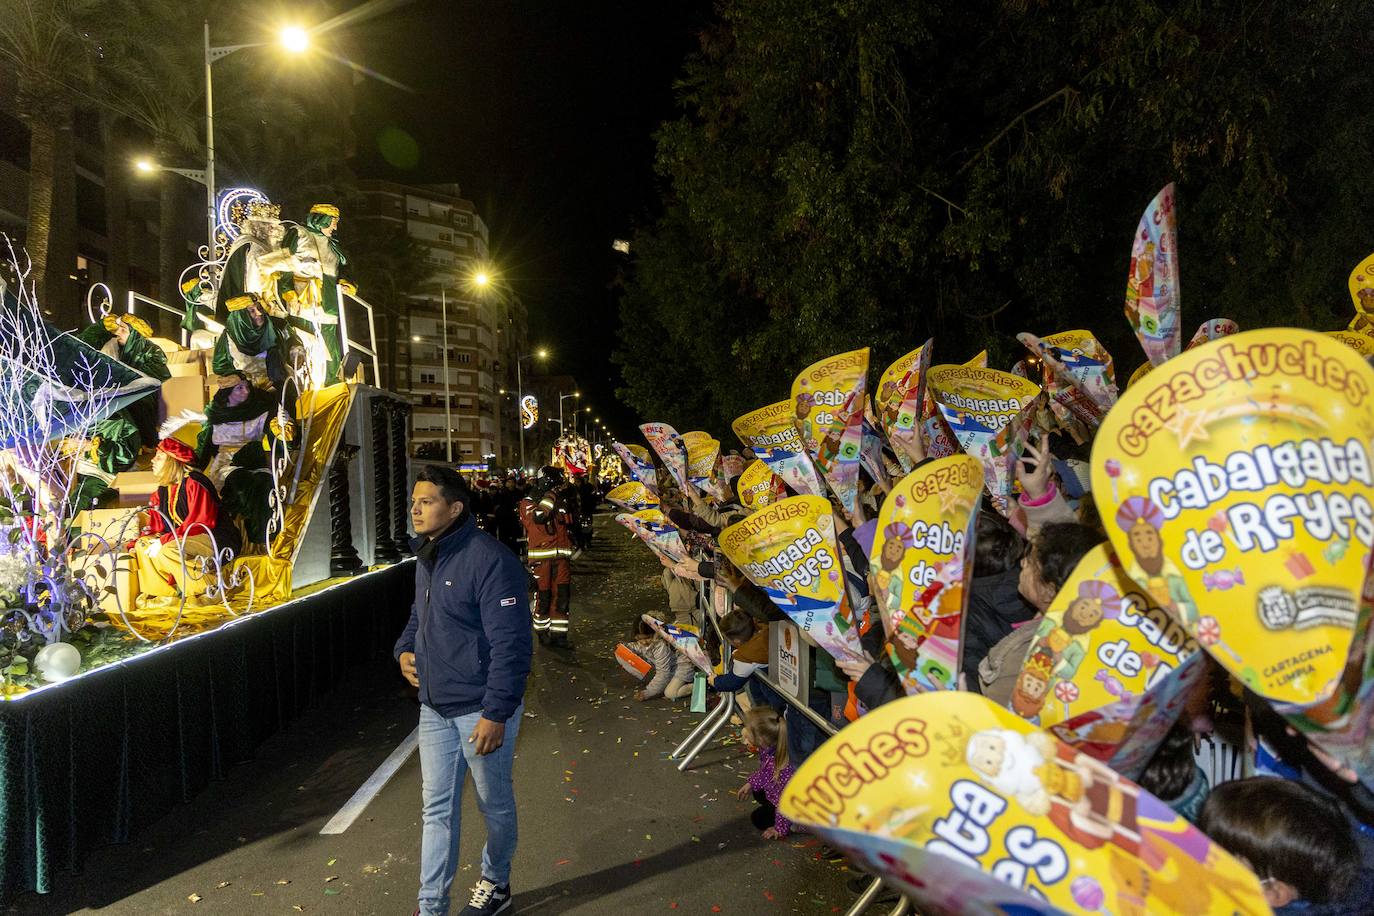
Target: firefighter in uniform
{"points": [[548, 530]]}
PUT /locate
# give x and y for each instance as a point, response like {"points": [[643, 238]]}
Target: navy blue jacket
{"points": [[470, 625]]}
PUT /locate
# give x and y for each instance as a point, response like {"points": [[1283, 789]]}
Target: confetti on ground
{"points": [[194, 898]]}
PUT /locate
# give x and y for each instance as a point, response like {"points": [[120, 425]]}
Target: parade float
{"points": [[197, 536]]}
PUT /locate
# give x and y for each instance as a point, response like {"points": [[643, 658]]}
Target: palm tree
{"points": [[48, 44]]}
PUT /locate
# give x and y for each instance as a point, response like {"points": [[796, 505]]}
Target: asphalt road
{"points": [[607, 824]]}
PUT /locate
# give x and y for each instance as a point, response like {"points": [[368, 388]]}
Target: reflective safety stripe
{"points": [[550, 553], [541, 623], [558, 626]]}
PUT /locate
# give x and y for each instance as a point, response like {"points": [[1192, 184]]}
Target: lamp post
{"points": [[294, 39], [561, 398]]}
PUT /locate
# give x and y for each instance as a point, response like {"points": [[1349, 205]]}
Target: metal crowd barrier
{"points": [[719, 717]]}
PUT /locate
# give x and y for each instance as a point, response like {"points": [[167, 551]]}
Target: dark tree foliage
{"points": [[872, 172]]}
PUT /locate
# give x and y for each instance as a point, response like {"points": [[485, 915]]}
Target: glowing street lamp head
{"points": [[542, 353], [146, 166], [481, 278], [295, 39]]}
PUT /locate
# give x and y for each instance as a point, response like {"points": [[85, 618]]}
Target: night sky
{"points": [[544, 113]]}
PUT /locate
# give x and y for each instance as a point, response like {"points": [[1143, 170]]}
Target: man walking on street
{"points": [[467, 648]]}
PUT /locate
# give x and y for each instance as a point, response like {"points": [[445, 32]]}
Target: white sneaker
{"points": [[487, 899]]}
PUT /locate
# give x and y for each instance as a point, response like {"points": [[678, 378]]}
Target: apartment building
{"points": [[483, 328]]}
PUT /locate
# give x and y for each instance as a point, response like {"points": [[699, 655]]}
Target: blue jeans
{"points": [[445, 757]]}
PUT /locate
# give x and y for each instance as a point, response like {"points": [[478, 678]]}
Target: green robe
{"points": [[247, 487], [250, 339], [134, 427], [310, 236]]}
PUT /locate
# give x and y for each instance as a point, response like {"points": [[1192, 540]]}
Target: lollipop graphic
{"points": [[1066, 692], [1209, 634], [1113, 469]]}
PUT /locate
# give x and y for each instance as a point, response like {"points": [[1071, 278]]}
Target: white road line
{"points": [[368, 790]]}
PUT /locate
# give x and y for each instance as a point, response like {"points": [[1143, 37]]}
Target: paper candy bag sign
{"points": [[1152, 287], [702, 452], [654, 529], [636, 458], [788, 550], [770, 432], [921, 565], [1236, 482], [633, 497], [1107, 670], [687, 640], [953, 800], [989, 413], [667, 444], [901, 392], [1078, 374], [828, 408], [758, 486]]}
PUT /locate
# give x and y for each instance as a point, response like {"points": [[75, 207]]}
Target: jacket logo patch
{"points": [[446, 582], [507, 602]]}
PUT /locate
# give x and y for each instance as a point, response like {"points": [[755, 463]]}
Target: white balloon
{"points": [[57, 661]]}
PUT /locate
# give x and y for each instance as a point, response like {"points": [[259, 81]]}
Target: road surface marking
{"points": [[368, 790]]}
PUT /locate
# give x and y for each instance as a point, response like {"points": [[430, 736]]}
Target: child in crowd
{"points": [[1297, 840], [1173, 776], [672, 671], [1055, 551], [750, 644], [766, 730]]}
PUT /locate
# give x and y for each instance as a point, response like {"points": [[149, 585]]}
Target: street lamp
{"points": [[541, 353], [295, 40], [561, 398]]}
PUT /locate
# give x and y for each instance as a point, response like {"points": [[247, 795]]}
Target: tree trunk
{"points": [[171, 246], [116, 210], [42, 151], [64, 291]]}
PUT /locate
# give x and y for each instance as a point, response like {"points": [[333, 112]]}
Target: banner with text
{"points": [[759, 486], [1108, 670], [897, 402], [633, 497], [1079, 377], [990, 413], [951, 799], [788, 550], [1236, 483], [770, 433], [828, 399], [654, 529], [921, 563], [667, 444], [638, 463]]}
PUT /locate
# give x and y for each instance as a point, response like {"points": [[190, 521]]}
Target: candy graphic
{"points": [[1087, 893], [1223, 579], [1112, 685], [1335, 551]]}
